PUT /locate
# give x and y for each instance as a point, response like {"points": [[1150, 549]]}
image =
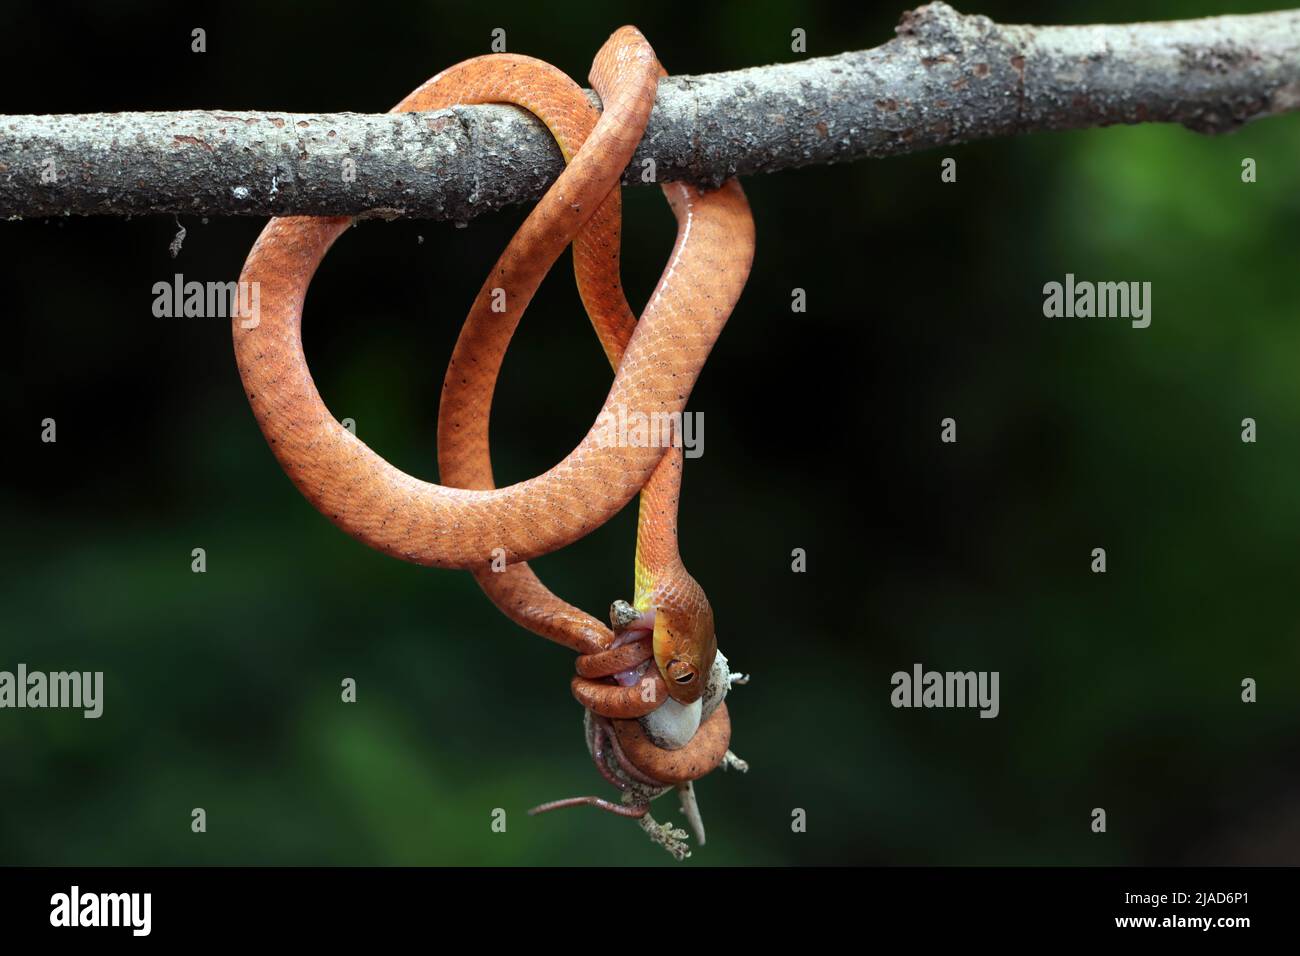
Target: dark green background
{"points": [[222, 689]]}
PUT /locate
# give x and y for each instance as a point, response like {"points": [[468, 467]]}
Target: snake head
{"points": [[680, 623], [684, 647]]}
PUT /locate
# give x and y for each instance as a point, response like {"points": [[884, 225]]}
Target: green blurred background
{"points": [[222, 689]]}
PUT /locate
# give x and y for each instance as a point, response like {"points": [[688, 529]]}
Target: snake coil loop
{"points": [[620, 706], [467, 522]]}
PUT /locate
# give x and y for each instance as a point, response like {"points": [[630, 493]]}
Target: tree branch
{"points": [[946, 78]]}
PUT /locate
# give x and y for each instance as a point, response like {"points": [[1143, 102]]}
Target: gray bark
{"points": [[945, 78]]}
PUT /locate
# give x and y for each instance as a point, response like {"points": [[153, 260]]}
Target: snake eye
{"points": [[681, 672]]}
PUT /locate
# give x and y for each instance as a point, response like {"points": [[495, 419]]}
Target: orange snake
{"points": [[468, 522]]}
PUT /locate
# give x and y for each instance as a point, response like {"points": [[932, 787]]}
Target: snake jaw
{"points": [[681, 667], [682, 654]]}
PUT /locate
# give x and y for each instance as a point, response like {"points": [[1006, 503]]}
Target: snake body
{"points": [[468, 522]]}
